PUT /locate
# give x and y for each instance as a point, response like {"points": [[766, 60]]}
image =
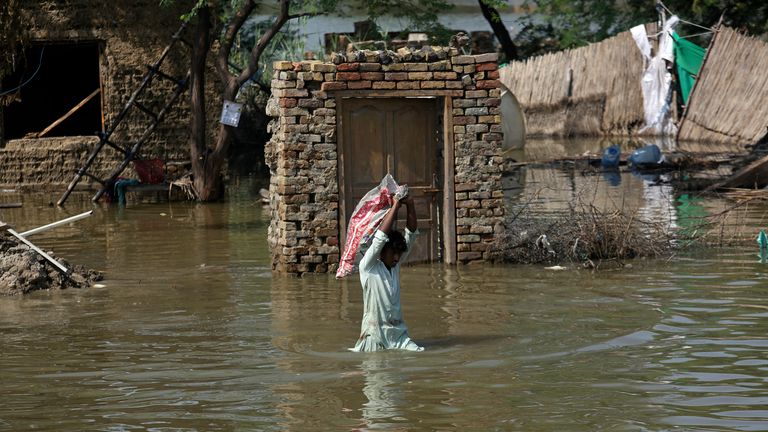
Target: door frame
{"points": [[447, 212]]}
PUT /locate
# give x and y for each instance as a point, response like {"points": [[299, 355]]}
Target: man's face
{"points": [[390, 257]]}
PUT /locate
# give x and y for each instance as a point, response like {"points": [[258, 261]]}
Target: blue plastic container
{"points": [[650, 154], [611, 156]]}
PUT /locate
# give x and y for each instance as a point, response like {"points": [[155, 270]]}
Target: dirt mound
{"points": [[23, 270]]}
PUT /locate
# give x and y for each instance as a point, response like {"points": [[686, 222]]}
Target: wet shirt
{"points": [[383, 326]]}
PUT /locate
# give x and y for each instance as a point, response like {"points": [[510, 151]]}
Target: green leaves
{"points": [[553, 25]]}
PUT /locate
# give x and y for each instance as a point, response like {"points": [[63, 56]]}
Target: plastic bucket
{"points": [[611, 156], [650, 154]]}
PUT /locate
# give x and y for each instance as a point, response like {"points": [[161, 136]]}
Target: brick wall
{"points": [[303, 157]]}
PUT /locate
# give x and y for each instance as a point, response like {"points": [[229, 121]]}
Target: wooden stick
{"points": [[57, 223], [72, 111], [10, 205], [50, 259]]}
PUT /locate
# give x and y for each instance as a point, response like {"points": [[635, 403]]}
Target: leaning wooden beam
{"points": [[752, 176], [50, 259], [69, 113], [57, 223]]}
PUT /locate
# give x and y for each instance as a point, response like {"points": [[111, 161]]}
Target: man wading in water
{"points": [[383, 326]]}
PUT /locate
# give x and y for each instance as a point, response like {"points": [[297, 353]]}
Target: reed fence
{"points": [[593, 90], [730, 101]]}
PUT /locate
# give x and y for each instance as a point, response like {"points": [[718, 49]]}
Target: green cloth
{"points": [[688, 59]]}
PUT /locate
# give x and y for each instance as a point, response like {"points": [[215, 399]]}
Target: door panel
{"points": [[397, 136]]}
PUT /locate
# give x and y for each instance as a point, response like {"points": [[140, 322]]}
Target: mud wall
{"points": [[131, 36]]}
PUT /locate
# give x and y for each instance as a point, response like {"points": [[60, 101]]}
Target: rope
{"points": [[682, 20]]}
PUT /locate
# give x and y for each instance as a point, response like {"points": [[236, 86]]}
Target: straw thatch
{"points": [[594, 90], [730, 101]]}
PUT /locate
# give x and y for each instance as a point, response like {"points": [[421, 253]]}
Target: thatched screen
{"points": [[730, 102], [593, 90]]}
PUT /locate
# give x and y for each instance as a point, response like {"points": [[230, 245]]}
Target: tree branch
{"points": [[502, 34], [222, 59], [258, 49], [305, 14]]}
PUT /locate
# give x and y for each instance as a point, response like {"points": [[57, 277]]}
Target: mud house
{"points": [[430, 118], [80, 63]]}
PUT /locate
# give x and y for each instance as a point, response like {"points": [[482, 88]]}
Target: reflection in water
{"points": [[382, 388], [193, 332]]}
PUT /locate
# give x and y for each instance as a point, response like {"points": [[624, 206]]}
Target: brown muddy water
{"points": [[192, 332]]}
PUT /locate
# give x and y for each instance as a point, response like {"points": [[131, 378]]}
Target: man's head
{"points": [[393, 248]]}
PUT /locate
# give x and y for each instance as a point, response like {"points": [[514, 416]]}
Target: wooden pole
{"points": [[69, 113], [55, 224]]}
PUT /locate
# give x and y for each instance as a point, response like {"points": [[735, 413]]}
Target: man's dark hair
{"points": [[396, 241]]}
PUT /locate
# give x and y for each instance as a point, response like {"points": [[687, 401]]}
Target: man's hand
{"points": [[410, 220]]}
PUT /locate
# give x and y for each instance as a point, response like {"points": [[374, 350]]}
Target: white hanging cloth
{"points": [[657, 80]]}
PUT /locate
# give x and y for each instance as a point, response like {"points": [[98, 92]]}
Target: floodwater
{"points": [[192, 332]]}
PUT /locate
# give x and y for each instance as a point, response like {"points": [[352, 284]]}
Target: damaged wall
{"points": [[729, 104], [130, 35], [593, 90], [303, 153]]}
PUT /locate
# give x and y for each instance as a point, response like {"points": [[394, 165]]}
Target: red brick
{"points": [[487, 67], [347, 67], [347, 76], [326, 86], [287, 102], [487, 84], [464, 120]]}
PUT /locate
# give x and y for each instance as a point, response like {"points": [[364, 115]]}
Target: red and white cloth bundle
{"points": [[366, 218]]}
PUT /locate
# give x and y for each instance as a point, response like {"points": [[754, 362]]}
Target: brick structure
{"points": [[303, 155]]}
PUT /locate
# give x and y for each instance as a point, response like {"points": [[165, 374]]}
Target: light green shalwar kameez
{"points": [[383, 327]]}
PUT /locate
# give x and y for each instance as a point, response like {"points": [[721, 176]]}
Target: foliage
{"points": [[553, 25], [287, 45], [415, 15], [11, 34]]}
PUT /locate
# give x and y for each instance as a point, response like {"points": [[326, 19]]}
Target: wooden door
{"points": [[400, 137]]}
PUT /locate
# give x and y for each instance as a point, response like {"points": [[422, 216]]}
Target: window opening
{"points": [[56, 92]]}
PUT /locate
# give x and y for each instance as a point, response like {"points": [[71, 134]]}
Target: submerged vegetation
{"points": [[587, 235], [593, 231]]}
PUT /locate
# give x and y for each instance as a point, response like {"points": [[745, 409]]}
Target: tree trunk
{"points": [[207, 163], [502, 34], [206, 177]]}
